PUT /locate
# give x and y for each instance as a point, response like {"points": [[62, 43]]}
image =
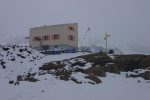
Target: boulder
{"points": [[145, 62], [97, 58], [52, 65], [63, 74], [147, 75], [112, 68], [94, 78], [128, 62], [97, 71]]}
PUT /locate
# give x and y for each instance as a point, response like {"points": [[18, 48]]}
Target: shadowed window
{"points": [[70, 37], [45, 38], [56, 36], [37, 38]]}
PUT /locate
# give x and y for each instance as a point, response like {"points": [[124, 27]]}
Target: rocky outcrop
{"points": [[131, 62], [94, 66]]}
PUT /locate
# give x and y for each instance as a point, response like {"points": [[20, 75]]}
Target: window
{"points": [[56, 36], [70, 37], [45, 38], [70, 28], [37, 38]]}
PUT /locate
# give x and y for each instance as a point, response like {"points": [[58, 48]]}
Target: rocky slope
{"points": [[20, 63], [90, 68]]}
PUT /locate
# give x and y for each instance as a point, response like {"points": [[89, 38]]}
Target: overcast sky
{"points": [[128, 21]]}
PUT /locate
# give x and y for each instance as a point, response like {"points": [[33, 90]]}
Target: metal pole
{"points": [[106, 44], [106, 37], [89, 37]]}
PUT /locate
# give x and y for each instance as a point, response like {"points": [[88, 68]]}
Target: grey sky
{"points": [[128, 21]]}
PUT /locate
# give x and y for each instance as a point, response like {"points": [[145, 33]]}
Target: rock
{"points": [[17, 83], [79, 70], [19, 78], [52, 65], [5, 49], [3, 66], [112, 68], [97, 71], [145, 62], [78, 63], [31, 79], [76, 81], [97, 58], [63, 74], [94, 78], [21, 50], [11, 82], [147, 75], [91, 83], [13, 59], [2, 62], [128, 62]]}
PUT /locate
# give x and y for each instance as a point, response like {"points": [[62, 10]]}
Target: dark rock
{"points": [[63, 74], [76, 81], [147, 75], [48, 66], [94, 78], [91, 83], [17, 83], [13, 59], [2, 62], [29, 52], [21, 56], [21, 50], [136, 71], [139, 81], [97, 58], [42, 91], [11, 82], [5, 49], [78, 63], [128, 62], [31, 79], [3, 66], [79, 70], [112, 68], [145, 62], [19, 78], [52, 65], [97, 71]]}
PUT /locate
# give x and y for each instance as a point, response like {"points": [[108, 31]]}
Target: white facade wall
{"points": [[63, 30]]}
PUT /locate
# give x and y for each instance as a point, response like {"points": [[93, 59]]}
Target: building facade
{"points": [[63, 36]]}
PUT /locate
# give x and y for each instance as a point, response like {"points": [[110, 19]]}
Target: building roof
{"points": [[46, 26]]}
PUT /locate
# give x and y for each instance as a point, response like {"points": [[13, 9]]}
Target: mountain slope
{"points": [[21, 60]]}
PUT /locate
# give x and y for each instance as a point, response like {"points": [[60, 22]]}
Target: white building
{"points": [[63, 36]]}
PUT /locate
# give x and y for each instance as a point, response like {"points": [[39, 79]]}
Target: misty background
{"points": [[127, 21]]}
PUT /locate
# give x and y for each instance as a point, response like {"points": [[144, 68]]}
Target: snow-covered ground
{"points": [[113, 87]]}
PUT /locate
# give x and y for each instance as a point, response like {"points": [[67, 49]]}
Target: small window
{"points": [[37, 38], [70, 28], [56, 36], [70, 37], [45, 38]]}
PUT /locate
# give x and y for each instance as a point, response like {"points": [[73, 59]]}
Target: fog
{"points": [[127, 21]]}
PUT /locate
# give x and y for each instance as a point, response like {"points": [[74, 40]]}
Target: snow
{"points": [[113, 87]]}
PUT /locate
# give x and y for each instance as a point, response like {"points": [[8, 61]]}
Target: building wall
{"points": [[63, 30]]}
